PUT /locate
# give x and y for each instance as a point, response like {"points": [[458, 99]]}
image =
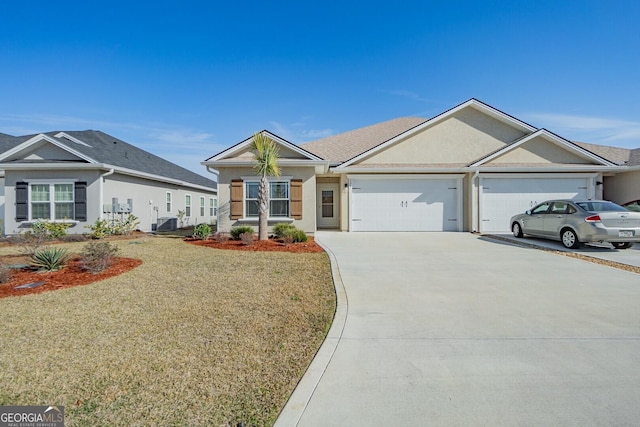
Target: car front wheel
{"points": [[517, 230], [622, 245], [569, 239]]}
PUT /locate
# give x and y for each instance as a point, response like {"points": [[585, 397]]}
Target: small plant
{"points": [[181, 216], [32, 240], [125, 226], [55, 230], [247, 238], [97, 256], [221, 237], [202, 231], [289, 234], [281, 229], [99, 229], [50, 258], [237, 231]]}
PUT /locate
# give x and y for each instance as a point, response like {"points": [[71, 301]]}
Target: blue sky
{"points": [[185, 80]]}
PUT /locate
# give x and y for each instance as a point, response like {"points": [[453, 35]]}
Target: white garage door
{"points": [[405, 204], [501, 198]]}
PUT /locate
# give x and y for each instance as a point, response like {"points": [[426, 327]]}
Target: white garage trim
{"points": [[527, 189], [386, 179]]}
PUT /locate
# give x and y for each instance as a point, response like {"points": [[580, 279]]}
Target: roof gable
{"points": [[241, 152], [44, 148], [517, 127], [459, 138], [542, 146]]}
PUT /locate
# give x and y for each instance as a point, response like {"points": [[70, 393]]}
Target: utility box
{"points": [[167, 224]]}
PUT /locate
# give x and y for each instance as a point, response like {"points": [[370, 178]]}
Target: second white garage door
{"points": [[406, 203], [503, 197]]}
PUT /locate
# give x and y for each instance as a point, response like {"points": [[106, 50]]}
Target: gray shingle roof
{"points": [[345, 146], [104, 148], [617, 155]]}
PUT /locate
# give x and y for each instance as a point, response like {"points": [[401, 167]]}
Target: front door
{"points": [[327, 205]]}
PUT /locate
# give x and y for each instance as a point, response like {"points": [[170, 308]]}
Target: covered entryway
{"points": [[501, 197], [406, 203]]}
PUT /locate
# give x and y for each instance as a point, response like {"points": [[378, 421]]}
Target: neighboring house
{"points": [[468, 169], [79, 177]]}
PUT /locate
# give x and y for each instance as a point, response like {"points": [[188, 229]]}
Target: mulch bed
{"points": [[70, 276], [271, 245]]}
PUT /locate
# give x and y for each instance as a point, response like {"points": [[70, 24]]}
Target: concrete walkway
{"points": [[457, 329]]}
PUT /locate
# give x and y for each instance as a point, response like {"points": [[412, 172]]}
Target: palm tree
{"points": [[266, 156]]}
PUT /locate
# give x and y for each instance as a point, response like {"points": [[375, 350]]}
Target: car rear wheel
{"points": [[622, 245], [569, 239], [517, 230]]}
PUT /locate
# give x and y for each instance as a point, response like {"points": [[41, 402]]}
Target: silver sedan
{"points": [[574, 222]]}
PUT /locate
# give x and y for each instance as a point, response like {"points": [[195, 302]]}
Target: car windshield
{"points": [[600, 206]]}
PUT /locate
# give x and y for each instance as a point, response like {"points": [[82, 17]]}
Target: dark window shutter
{"points": [[80, 198], [22, 200], [237, 196], [296, 198]]}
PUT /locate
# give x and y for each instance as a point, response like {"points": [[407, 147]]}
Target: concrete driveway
{"points": [[457, 329]]}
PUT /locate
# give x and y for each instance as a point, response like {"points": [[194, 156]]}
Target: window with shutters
{"points": [[278, 199], [51, 201]]}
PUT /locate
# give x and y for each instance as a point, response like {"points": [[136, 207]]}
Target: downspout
{"points": [[475, 213], [102, 177]]}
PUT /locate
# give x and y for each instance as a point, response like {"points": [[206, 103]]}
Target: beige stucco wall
{"points": [[539, 150], [622, 188], [306, 174], [462, 138], [149, 199], [11, 177]]}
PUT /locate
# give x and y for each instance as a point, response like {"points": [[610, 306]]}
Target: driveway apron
{"points": [[455, 329]]}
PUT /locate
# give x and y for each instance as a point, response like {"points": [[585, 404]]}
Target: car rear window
{"points": [[598, 206]]}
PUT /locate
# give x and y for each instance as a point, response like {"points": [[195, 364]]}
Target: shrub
{"points": [[247, 238], [97, 256], [299, 236], [237, 231], [289, 234], [99, 229], [281, 229], [50, 258], [31, 241], [221, 237], [55, 230], [125, 225], [202, 231]]}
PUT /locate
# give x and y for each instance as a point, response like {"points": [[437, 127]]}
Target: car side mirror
{"points": [[528, 212]]}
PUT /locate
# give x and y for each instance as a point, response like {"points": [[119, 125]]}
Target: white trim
{"points": [[70, 138], [190, 205], [242, 145], [168, 201], [552, 138], [50, 181], [474, 103], [52, 211], [254, 178], [42, 137]]}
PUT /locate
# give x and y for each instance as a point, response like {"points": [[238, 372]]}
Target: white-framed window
{"points": [[278, 199], [202, 206], [168, 201], [187, 205], [51, 201], [212, 206]]}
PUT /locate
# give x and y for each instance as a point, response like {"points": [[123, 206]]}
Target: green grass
{"points": [[194, 336]]}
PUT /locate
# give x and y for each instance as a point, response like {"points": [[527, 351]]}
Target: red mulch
{"points": [[70, 276], [270, 245]]}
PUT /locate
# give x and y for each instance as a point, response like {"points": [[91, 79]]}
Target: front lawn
{"points": [[193, 336]]}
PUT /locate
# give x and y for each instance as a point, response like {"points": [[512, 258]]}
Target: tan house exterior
{"points": [[468, 169]]}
